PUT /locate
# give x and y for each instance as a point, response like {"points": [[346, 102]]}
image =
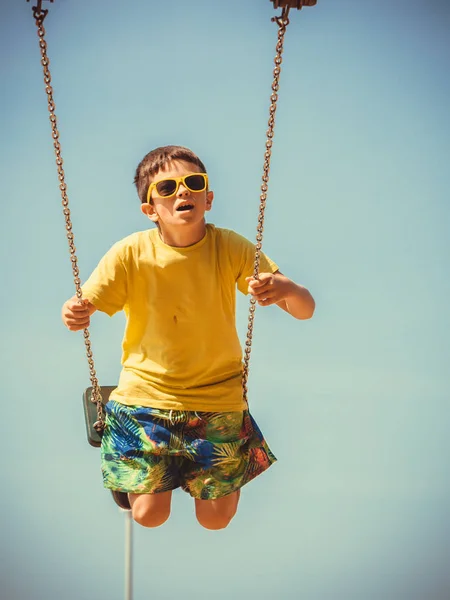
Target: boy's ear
{"points": [[149, 211], [209, 200]]}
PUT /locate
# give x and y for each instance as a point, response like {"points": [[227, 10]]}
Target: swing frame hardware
{"points": [[299, 4], [40, 13]]}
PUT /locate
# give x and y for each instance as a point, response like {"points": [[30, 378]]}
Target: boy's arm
{"points": [[278, 289]]}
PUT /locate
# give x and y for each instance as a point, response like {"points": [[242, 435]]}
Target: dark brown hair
{"points": [[156, 161]]}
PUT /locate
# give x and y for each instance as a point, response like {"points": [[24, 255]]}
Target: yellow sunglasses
{"points": [[194, 182]]}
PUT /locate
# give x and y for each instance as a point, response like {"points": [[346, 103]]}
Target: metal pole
{"points": [[128, 555]]}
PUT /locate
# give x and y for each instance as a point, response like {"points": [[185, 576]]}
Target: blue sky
{"points": [[354, 403]]}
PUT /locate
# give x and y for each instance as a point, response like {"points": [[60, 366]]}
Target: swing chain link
{"points": [[96, 397], [282, 22]]}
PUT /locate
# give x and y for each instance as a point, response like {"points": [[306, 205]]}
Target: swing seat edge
{"points": [[90, 413]]}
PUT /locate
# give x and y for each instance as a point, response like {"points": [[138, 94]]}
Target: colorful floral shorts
{"points": [[208, 454]]}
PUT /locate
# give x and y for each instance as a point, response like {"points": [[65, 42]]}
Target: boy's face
{"points": [[185, 208]]}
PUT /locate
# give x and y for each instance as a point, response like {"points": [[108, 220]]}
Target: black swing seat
{"points": [[94, 439], [90, 413]]}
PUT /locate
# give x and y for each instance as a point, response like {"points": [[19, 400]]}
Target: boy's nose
{"points": [[182, 191]]}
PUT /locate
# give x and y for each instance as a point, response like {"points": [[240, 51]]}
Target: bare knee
{"points": [[150, 510], [217, 514], [214, 522], [150, 517]]}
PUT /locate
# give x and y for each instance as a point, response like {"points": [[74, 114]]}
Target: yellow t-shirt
{"points": [[181, 350]]}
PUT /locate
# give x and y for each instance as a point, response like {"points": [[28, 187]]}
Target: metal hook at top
{"points": [[38, 12], [282, 20], [285, 13]]}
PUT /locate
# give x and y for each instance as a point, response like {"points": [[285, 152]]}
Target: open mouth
{"points": [[185, 207]]}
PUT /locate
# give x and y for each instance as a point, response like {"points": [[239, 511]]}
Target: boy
{"points": [[178, 417]]}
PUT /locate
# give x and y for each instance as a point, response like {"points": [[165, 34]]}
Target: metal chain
{"points": [[39, 16], [282, 22]]}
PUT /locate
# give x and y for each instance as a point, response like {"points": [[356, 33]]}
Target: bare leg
{"points": [[217, 514], [151, 510]]}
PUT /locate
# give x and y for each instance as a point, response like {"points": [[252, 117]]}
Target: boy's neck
{"points": [[182, 237]]}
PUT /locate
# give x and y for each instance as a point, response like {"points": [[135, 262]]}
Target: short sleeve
{"points": [[242, 253], [106, 288]]}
